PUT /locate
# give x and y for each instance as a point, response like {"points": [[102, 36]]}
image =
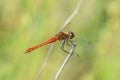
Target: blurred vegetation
{"points": [[24, 23]]}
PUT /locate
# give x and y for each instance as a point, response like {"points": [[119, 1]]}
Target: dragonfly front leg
{"points": [[69, 43]]}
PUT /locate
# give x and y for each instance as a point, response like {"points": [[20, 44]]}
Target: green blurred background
{"points": [[24, 23]]}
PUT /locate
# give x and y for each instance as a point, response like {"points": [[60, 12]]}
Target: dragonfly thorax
{"points": [[63, 35]]}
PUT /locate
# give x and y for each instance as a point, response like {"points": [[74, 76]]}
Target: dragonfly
{"points": [[66, 37]]}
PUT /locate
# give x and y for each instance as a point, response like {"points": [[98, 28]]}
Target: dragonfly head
{"points": [[70, 35]]}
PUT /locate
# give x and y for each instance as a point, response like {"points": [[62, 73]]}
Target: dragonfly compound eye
{"points": [[70, 35]]}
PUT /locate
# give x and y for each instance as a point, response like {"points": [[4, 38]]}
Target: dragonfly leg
{"points": [[70, 43], [62, 47]]}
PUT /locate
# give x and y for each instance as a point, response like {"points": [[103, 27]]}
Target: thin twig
{"points": [[65, 61], [45, 62], [61, 28], [71, 16]]}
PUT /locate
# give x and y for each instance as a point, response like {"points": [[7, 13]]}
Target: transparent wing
{"points": [[84, 49]]}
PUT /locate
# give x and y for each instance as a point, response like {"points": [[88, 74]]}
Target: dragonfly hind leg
{"points": [[68, 43], [62, 47]]}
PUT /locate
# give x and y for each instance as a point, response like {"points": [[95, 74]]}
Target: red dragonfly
{"points": [[61, 36]]}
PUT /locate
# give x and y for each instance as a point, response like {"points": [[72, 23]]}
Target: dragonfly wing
{"points": [[84, 48]]}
